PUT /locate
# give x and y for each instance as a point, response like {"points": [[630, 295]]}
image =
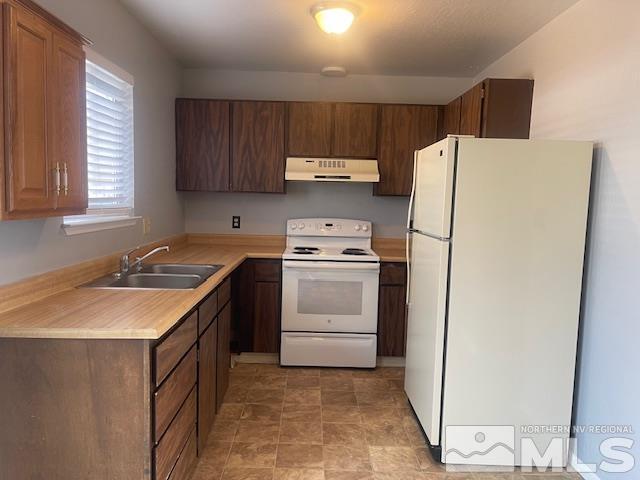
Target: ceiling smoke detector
{"points": [[334, 17], [334, 71]]}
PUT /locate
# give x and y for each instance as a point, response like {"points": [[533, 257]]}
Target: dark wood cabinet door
{"points": [[202, 145], [207, 373], [223, 361], [391, 321], [70, 125], [471, 111], [507, 108], [257, 146], [355, 130], [404, 129], [451, 118], [32, 179], [242, 297], [266, 326], [309, 126]]}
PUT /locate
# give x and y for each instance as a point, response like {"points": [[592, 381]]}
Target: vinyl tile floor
{"points": [[323, 424]]}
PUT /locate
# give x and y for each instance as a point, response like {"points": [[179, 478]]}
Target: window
{"points": [[109, 149]]}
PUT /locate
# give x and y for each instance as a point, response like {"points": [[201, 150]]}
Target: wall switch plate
{"points": [[146, 226], [235, 222]]}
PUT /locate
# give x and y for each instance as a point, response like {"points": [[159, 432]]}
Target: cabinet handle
{"points": [[65, 179], [57, 177]]}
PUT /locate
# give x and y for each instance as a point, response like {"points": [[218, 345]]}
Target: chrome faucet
{"points": [[125, 265]]}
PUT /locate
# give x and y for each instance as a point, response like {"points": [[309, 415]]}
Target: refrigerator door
{"points": [[426, 331], [433, 190]]}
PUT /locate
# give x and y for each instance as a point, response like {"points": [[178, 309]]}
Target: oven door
{"points": [[322, 296]]}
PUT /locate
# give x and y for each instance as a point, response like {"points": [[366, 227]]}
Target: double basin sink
{"points": [[165, 276]]}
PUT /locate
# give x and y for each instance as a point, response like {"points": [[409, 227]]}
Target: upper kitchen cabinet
{"points": [[403, 129], [355, 130], [202, 145], [309, 131], [257, 147], [494, 108], [44, 166]]}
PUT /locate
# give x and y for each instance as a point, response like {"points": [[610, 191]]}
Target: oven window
{"points": [[317, 297]]}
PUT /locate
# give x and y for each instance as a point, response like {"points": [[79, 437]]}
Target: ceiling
{"points": [[390, 37]]}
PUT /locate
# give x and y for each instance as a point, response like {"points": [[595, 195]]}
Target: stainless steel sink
{"points": [[167, 276]]}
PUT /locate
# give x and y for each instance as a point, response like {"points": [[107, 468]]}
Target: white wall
{"points": [[586, 66], [30, 247], [267, 214]]}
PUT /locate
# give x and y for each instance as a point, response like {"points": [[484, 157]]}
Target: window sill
{"points": [[97, 223]]}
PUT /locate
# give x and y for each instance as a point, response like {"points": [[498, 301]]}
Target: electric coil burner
{"points": [[330, 280]]}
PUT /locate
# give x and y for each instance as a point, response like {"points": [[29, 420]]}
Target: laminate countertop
{"points": [[87, 313]]}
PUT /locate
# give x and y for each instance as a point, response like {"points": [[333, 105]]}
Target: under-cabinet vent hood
{"points": [[332, 170]]}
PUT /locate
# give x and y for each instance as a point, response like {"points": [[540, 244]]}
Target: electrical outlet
{"points": [[146, 226], [235, 222]]}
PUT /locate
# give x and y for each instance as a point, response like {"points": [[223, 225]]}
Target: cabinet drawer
{"points": [[187, 459], [169, 448], [224, 293], [172, 348], [207, 312], [173, 392], [267, 271], [393, 274]]}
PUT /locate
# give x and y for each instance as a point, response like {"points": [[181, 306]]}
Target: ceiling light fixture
{"points": [[334, 17]]}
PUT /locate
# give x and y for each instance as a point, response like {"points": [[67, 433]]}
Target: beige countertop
{"points": [[137, 314]]}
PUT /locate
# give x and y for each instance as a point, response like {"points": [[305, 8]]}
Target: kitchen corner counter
{"points": [[85, 313]]}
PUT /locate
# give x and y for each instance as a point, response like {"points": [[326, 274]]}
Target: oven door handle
{"points": [[302, 265]]}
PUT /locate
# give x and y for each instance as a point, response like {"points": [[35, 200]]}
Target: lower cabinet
{"points": [[391, 310], [257, 286], [207, 371], [223, 354]]}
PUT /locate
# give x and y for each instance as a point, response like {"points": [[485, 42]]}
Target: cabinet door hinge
{"points": [[482, 92]]}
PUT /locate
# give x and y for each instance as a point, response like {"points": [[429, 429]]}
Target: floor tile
{"points": [[367, 373], [302, 371], [341, 414], [236, 394], [343, 434], [404, 475], [346, 475], [392, 372], [336, 373], [252, 455], [341, 457], [230, 411], [426, 461], [336, 383], [303, 381], [396, 384], [251, 431], [223, 431], [298, 474], [244, 369], [261, 412], [271, 369], [269, 382], [267, 396], [302, 396], [299, 456], [302, 413], [215, 455], [241, 380], [300, 432], [330, 397], [386, 435], [239, 473], [380, 414], [391, 459], [415, 436], [375, 397], [369, 384]]}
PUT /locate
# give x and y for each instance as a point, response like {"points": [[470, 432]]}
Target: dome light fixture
{"points": [[334, 17]]}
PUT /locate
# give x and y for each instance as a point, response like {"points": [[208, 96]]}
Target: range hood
{"points": [[332, 170]]}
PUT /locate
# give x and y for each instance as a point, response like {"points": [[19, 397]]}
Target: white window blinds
{"points": [[109, 141]]}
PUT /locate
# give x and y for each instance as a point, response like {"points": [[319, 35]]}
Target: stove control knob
{"points": [[365, 228], [301, 226], [358, 227], [293, 226]]}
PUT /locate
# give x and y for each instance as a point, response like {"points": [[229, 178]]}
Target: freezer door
{"points": [[433, 197], [426, 331]]}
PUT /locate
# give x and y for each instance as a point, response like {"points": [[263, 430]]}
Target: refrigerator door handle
{"points": [[430, 235], [409, 229]]}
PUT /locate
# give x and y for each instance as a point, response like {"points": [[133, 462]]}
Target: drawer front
{"points": [[224, 293], [267, 271], [207, 312], [186, 462], [393, 274], [173, 347], [173, 391], [169, 448]]}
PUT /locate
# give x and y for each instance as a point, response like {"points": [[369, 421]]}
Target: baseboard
{"points": [[274, 358], [575, 463]]}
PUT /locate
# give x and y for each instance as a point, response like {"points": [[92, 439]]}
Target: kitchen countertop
{"points": [[136, 314]]}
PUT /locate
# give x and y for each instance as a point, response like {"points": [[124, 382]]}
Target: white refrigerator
{"points": [[495, 245]]}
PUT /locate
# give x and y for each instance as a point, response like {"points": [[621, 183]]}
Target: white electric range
{"points": [[330, 279]]}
